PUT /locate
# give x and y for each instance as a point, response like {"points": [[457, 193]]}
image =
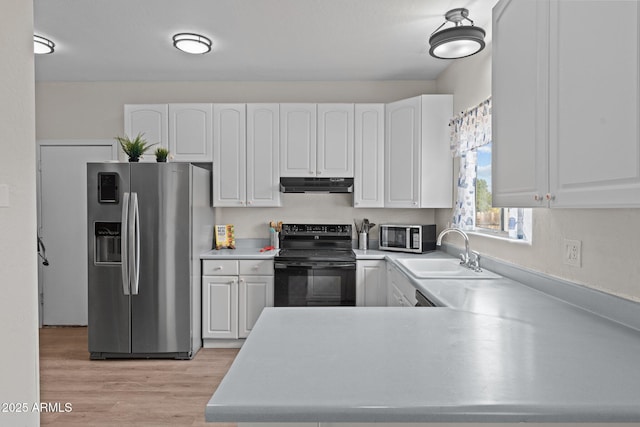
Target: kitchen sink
{"points": [[443, 268]]}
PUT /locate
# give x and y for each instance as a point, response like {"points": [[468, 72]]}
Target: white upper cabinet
{"points": [[418, 164], [229, 152], [246, 154], [298, 140], [152, 120], [335, 140], [263, 155], [316, 140], [580, 145], [368, 182], [402, 154], [519, 103], [190, 132]]}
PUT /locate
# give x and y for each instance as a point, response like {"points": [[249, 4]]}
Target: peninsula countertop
{"points": [[508, 353]]}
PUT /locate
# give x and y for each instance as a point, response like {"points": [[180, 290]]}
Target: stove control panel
{"points": [[316, 229]]}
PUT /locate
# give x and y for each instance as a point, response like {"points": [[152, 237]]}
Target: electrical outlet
{"points": [[573, 252]]}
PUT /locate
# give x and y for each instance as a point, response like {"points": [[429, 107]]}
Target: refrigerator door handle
{"points": [[124, 244], [134, 227]]}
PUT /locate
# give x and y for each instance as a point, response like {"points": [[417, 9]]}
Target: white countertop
{"points": [[501, 352], [239, 253]]}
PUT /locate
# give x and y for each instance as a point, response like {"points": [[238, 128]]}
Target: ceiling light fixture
{"points": [[192, 43], [459, 41], [42, 45]]}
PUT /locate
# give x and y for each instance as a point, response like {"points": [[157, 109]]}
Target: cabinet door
{"points": [[594, 136], [256, 293], [520, 98], [298, 140], [229, 146], [152, 120], [436, 162], [190, 132], [371, 284], [402, 154], [368, 179], [263, 155], [335, 140], [220, 307]]}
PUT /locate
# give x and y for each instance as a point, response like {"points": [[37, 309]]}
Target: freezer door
{"points": [[109, 306], [160, 303]]}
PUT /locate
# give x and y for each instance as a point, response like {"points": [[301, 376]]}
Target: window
{"points": [[514, 223], [474, 211]]}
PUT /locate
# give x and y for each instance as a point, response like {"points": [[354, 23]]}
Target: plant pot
{"points": [[161, 160], [132, 160]]}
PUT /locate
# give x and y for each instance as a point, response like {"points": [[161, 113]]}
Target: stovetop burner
{"points": [[316, 242]]}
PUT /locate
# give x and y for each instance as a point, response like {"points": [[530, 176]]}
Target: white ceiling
{"points": [[253, 40]]}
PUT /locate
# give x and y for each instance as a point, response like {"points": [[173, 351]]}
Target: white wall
{"points": [[610, 237], [18, 264], [73, 110]]}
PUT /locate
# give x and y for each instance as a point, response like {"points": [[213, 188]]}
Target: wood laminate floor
{"points": [[125, 392]]}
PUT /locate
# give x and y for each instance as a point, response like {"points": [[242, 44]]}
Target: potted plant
{"points": [[161, 154], [134, 148]]}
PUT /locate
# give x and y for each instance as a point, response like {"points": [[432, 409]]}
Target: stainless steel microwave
{"points": [[407, 238]]}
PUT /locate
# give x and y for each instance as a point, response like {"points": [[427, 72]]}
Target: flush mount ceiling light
{"points": [[42, 45], [459, 41], [192, 43]]}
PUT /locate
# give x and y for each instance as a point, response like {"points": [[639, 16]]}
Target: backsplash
{"points": [[315, 208]]}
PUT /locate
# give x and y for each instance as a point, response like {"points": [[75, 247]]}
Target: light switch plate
{"points": [[572, 252], [4, 196]]}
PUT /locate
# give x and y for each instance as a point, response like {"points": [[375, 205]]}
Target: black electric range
{"points": [[315, 266]]}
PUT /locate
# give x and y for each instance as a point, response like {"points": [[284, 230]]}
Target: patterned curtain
{"points": [[469, 130]]}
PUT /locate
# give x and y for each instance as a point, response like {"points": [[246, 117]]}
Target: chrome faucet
{"points": [[470, 259]]}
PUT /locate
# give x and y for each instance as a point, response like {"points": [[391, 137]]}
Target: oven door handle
{"points": [[313, 266]]}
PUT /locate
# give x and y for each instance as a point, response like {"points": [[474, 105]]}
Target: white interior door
{"points": [[62, 225]]}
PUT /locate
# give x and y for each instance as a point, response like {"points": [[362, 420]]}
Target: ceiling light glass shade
{"points": [[192, 43], [457, 42], [42, 45]]}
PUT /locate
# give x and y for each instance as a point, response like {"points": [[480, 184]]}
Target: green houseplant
{"points": [[161, 154], [134, 148]]}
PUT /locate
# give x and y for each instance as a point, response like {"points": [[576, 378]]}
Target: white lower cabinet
{"points": [[400, 291], [255, 293], [371, 283], [220, 307], [233, 300]]}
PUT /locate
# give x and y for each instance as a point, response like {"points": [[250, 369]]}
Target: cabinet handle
{"points": [[310, 172], [319, 172], [218, 268], [415, 203], [249, 203], [537, 198], [550, 197]]}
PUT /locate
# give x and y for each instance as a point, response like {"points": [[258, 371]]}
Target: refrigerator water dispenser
{"points": [[107, 240]]}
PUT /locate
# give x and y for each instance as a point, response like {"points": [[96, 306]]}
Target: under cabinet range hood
{"points": [[316, 185]]}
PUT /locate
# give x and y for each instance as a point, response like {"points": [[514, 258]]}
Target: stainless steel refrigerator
{"points": [[148, 224]]}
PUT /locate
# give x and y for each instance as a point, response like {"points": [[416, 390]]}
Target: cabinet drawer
{"points": [[262, 267], [219, 267]]}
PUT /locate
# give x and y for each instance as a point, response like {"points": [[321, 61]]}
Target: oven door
{"points": [[314, 284]]}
